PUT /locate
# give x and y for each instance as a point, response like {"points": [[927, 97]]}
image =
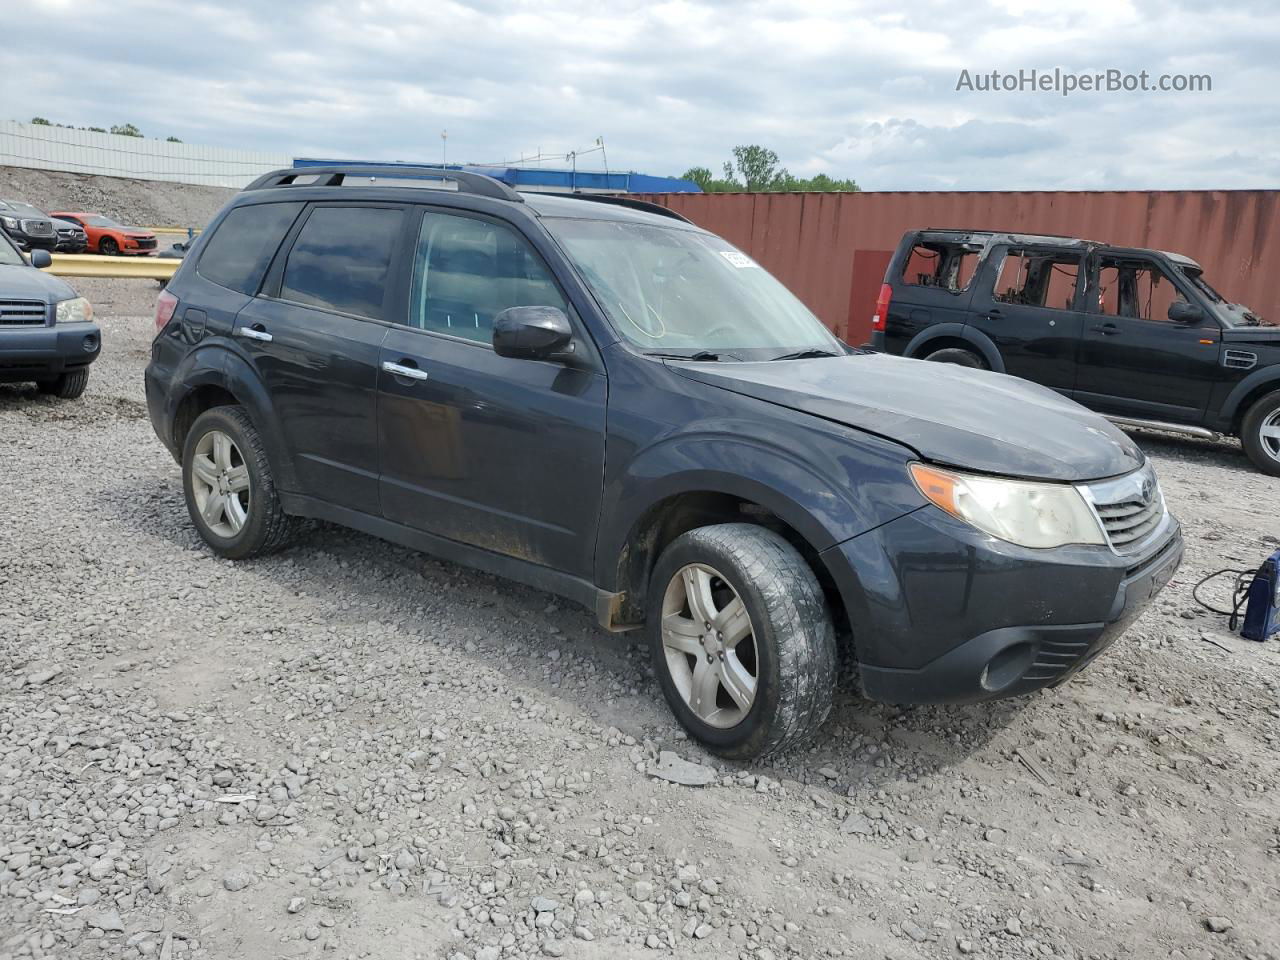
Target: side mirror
{"points": [[532, 333], [1182, 312], [41, 259]]}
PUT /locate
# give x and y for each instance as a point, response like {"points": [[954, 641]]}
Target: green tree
{"points": [[757, 167], [41, 122], [95, 129], [172, 140], [126, 130], [699, 175]]}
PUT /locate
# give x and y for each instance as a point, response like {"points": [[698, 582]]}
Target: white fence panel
{"points": [[83, 151]]}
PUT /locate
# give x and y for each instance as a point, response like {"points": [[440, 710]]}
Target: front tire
{"points": [[67, 386], [741, 639], [1260, 434], [230, 492], [108, 247]]}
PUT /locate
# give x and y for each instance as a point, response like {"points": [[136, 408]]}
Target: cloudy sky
{"points": [[854, 89]]}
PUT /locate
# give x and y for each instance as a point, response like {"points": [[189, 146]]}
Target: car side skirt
{"points": [[603, 603]]}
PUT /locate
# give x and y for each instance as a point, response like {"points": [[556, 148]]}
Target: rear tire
{"points": [[68, 386], [1260, 434], [960, 357], [230, 492], [762, 677], [108, 247]]}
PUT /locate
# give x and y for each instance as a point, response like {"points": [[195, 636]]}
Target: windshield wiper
{"points": [[702, 355], [809, 354]]}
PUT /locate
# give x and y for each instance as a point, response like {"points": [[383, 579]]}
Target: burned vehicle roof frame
{"points": [[769, 495], [1202, 366]]}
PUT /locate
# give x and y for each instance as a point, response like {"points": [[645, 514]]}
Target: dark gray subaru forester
{"points": [[595, 397]]}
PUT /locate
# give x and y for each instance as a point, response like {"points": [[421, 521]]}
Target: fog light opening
{"points": [[1007, 666], [90, 343]]}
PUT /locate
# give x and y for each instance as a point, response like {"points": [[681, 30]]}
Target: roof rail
{"points": [[334, 176], [643, 205]]}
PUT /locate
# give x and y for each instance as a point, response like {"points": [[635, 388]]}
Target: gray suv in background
{"points": [[47, 334], [26, 226]]}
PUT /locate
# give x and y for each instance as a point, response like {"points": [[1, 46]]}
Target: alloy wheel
{"points": [[1269, 435], [710, 647], [220, 484]]}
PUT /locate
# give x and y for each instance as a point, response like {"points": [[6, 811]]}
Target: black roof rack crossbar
{"points": [[630, 202], [333, 176]]}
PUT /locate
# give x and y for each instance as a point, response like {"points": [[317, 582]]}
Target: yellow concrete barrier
{"points": [[91, 265]]}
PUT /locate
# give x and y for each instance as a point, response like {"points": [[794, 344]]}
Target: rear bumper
{"points": [[38, 353], [942, 614]]}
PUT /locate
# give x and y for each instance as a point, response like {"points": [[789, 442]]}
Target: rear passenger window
{"points": [[1038, 279], [341, 259], [948, 266], [467, 271], [240, 250]]}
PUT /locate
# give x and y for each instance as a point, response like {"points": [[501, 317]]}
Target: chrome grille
{"points": [[1131, 509], [37, 228], [23, 313]]}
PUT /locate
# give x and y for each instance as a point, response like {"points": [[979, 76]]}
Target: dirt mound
{"points": [[146, 203]]}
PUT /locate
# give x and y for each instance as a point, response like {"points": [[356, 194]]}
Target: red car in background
{"points": [[110, 238]]}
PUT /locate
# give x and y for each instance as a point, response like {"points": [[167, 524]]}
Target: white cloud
{"points": [[859, 89]]}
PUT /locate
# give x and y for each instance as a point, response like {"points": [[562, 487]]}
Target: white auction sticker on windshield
{"points": [[739, 260]]}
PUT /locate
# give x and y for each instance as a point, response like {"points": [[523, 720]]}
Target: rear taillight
{"points": [[882, 308], [166, 303]]}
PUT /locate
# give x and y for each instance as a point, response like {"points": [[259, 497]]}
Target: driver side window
{"points": [[467, 271], [1137, 289]]}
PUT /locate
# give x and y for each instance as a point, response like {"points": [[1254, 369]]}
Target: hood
{"points": [[28, 283], [137, 232], [951, 415]]}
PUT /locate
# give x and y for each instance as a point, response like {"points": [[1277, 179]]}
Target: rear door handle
{"points": [[254, 333], [994, 314], [1106, 329], [401, 370]]}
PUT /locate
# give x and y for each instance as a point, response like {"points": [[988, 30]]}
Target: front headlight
{"points": [[76, 310], [1023, 512], [10, 223]]}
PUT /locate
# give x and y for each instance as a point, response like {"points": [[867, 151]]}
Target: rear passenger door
{"points": [[1028, 304], [498, 453], [315, 334]]}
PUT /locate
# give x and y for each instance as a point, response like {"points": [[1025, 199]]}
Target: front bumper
{"points": [[44, 352], [942, 613]]}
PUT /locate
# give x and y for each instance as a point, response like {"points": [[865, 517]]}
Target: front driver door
{"points": [[1135, 361], [1028, 303], [498, 453]]}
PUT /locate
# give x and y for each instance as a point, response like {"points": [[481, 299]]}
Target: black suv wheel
{"points": [[67, 386], [741, 638], [230, 493], [1260, 434]]}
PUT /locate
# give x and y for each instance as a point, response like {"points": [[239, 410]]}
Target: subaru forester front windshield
{"points": [[678, 292]]}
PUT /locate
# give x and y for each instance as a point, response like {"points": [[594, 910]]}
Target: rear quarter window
{"points": [[239, 252], [341, 258], [944, 266]]}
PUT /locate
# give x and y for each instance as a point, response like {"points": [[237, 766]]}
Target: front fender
{"points": [[959, 331], [1267, 377], [826, 485]]}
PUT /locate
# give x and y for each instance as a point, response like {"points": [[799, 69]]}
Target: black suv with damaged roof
{"points": [[1138, 335], [595, 397]]}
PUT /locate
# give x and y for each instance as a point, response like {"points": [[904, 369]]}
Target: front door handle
{"points": [[994, 313], [254, 333], [400, 370], [1106, 329]]}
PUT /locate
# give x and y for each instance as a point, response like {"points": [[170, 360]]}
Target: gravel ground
{"points": [[139, 203], [350, 749]]}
